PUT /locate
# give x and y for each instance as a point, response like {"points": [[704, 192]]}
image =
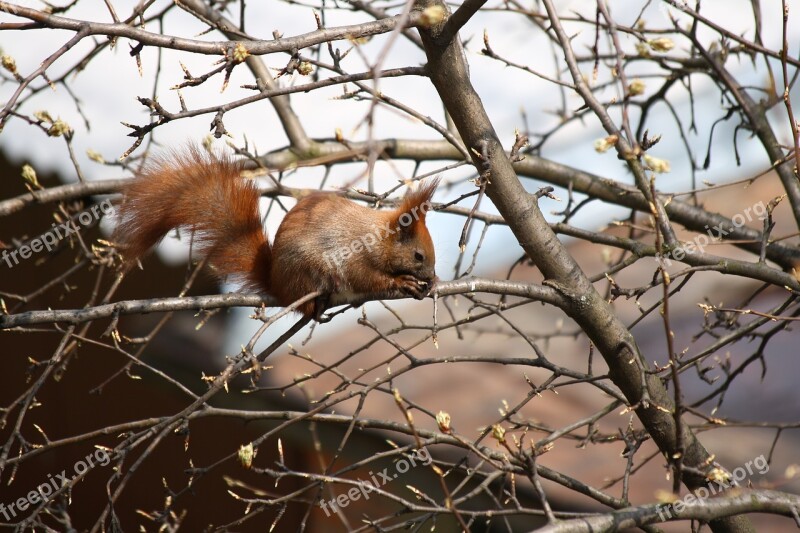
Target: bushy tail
{"points": [[204, 193]]}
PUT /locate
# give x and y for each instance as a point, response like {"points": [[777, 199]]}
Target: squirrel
{"points": [[325, 243]]}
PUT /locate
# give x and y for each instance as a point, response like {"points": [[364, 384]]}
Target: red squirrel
{"points": [[325, 243]]}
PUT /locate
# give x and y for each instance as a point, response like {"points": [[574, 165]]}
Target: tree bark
{"points": [[449, 73]]}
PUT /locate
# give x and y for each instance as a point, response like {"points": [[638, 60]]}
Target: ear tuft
{"points": [[415, 199]]}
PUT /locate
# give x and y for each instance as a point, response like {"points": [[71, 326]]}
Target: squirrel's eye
{"points": [[419, 257]]}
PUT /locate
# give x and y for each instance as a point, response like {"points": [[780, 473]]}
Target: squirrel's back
{"points": [[312, 240]]}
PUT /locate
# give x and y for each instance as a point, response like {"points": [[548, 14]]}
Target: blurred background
{"points": [[102, 97]]}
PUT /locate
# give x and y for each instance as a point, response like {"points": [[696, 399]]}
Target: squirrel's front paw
{"points": [[411, 286]]}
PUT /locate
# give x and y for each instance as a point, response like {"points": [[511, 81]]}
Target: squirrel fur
{"points": [[325, 243]]}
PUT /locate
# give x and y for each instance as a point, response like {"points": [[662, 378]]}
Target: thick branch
{"points": [[627, 369], [326, 152], [748, 501], [457, 20]]}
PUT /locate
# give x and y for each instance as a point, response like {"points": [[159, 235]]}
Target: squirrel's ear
{"points": [[417, 203], [412, 210]]}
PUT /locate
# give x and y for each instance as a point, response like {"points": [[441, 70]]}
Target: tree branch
{"points": [[707, 510], [457, 20], [627, 368], [291, 122], [197, 303], [259, 47]]}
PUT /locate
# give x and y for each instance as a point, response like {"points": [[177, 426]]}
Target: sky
{"points": [[108, 88]]}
